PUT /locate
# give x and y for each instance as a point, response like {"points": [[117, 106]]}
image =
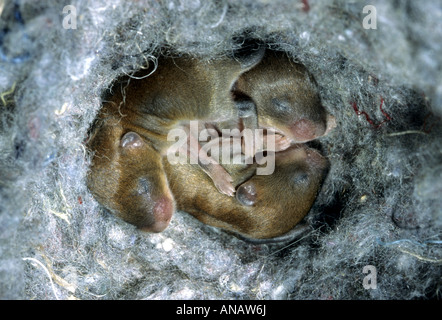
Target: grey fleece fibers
{"points": [[380, 205]]}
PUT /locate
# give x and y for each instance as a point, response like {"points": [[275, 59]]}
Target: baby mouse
{"points": [[127, 174], [286, 98], [179, 90], [265, 206], [127, 177], [129, 138]]}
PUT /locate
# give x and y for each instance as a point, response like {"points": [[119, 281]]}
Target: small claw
{"points": [[223, 181], [225, 186], [226, 189], [281, 143]]}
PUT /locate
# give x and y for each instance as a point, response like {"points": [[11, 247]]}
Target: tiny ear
{"points": [[250, 54], [246, 194], [131, 140]]}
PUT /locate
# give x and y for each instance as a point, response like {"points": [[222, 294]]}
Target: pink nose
{"points": [[162, 214], [305, 130]]}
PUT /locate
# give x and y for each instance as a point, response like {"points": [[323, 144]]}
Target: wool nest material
{"points": [[379, 73]]}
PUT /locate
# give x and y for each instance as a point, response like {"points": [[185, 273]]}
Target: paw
{"points": [[221, 179], [281, 143], [223, 182]]}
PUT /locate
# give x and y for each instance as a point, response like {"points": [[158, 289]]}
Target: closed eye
{"points": [[144, 186], [300, 178], [281, 106]]}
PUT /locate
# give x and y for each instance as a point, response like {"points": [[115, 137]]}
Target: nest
{"points": [[380, 205]]}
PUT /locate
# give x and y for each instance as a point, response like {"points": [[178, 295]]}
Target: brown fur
{"points": [[286, 98], [128, 169], [276, 203], [180, 90], [129, 180]]}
